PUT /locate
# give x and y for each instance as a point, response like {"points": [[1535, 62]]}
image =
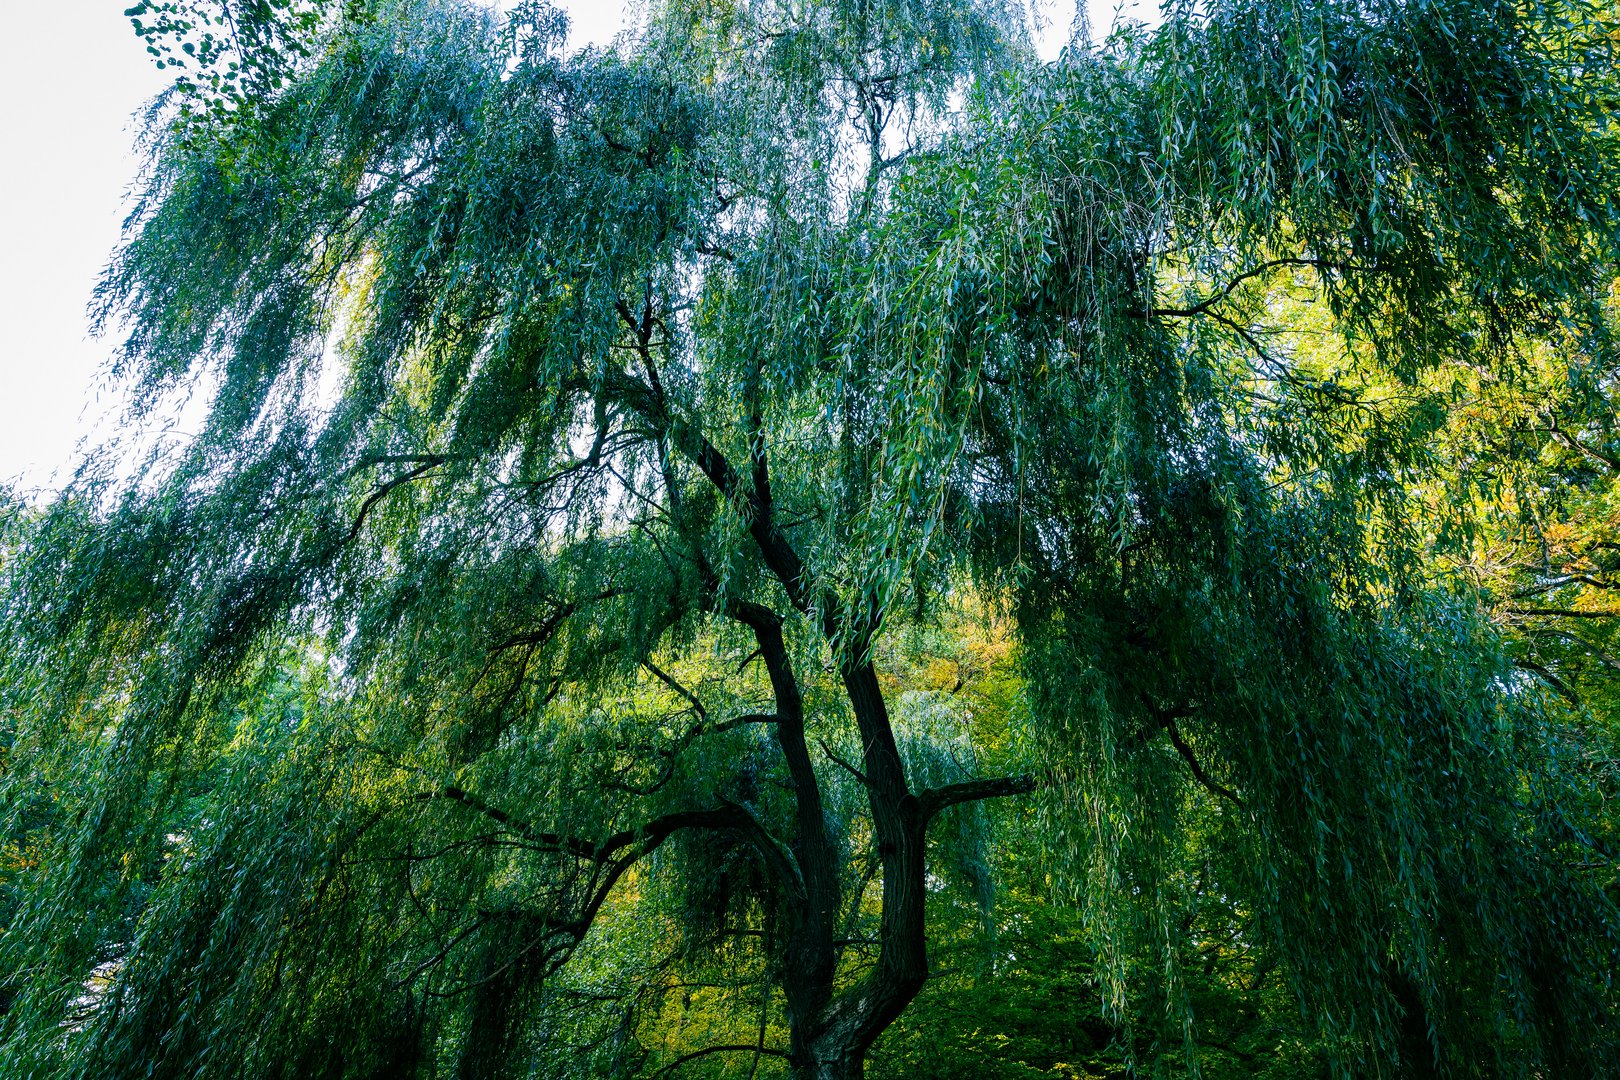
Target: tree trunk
{"points": [[832, 1044], [833, 1066]]}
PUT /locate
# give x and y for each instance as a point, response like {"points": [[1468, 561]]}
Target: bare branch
{"points": [[550, 624], [428, 463]]}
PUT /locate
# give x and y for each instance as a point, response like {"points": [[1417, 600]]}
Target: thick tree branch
{"points": [[934, 800], [752, 500], [726, 817], [1563, 688], [742, 721], [1544, 587], [779, 555], [812, 844], [902, 961]]}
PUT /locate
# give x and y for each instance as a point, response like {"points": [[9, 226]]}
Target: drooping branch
{"points": [[570, 845], [370, 460], [1558, 432], [1165, 719], [549, 626], [1552, 679], [1196, 768], [1587, 647]]}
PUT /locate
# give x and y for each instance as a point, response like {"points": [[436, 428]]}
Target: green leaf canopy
{"points": [[546, 392]]}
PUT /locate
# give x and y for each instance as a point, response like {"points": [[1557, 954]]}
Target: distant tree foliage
{"points": [[684, 533]]}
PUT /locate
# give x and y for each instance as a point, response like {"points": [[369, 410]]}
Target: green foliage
{"points": [[230, 54], [626, 475]]}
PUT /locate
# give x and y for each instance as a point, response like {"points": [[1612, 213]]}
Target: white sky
{"points": [[66, 129]]}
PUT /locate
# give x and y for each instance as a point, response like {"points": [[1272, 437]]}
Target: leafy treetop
{"points": [[582, 429]]}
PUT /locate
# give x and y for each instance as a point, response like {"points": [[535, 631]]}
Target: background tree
{"points": [[583, 430], [1533, 449]]}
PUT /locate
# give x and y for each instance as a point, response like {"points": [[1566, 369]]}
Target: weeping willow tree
{"points": [[579, 429]]}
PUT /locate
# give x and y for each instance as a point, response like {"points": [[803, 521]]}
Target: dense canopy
{"points": [[683, 532]]}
